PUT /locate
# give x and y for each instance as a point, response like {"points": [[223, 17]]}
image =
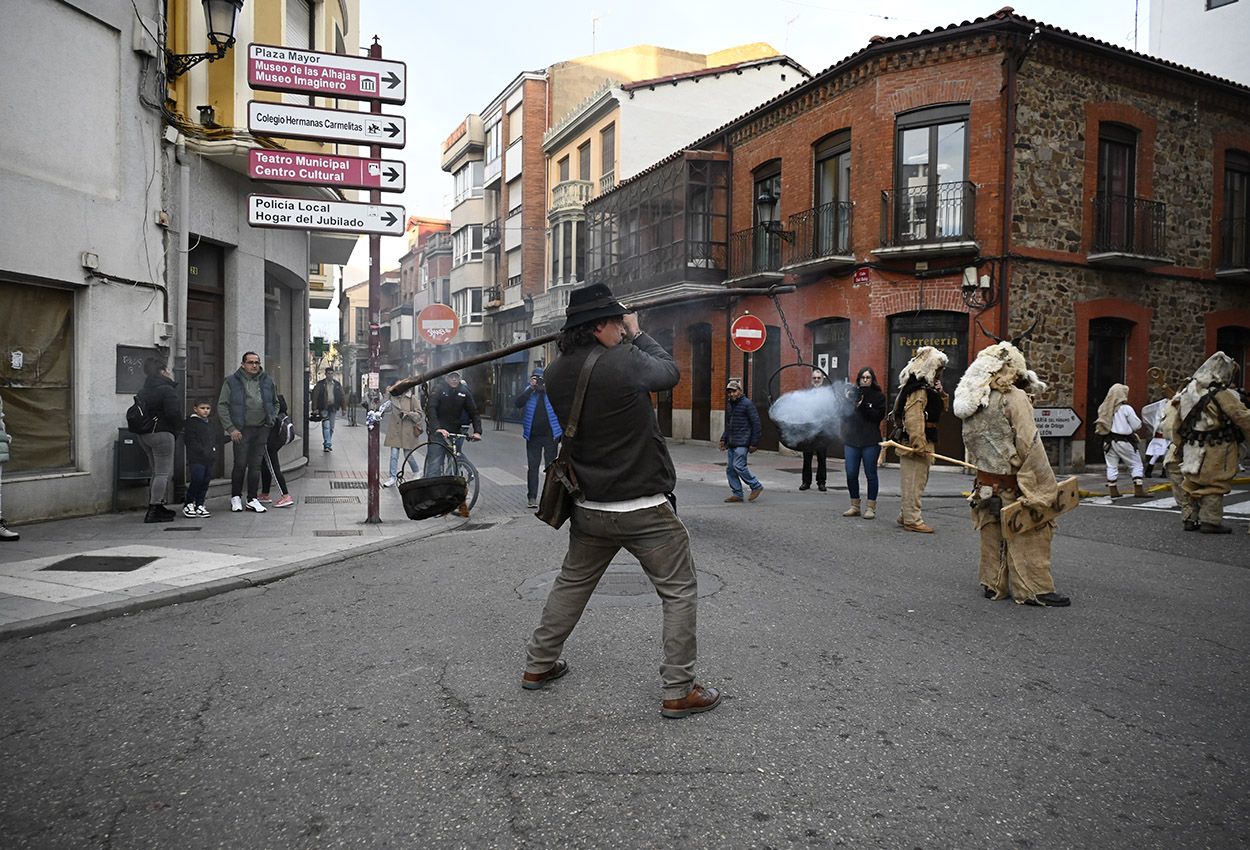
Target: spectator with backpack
{"points": [[159, 426], [282, 433], [200, 439]]}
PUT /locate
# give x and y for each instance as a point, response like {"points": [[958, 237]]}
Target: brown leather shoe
{"points": [[922, 527], [755, 494], [733, 499], [534, 681], [463, 510], [699, 699]]}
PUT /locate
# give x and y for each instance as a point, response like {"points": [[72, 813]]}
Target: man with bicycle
{"points": [[447, 405]]}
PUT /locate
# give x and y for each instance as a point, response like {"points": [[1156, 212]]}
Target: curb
{"points": [[192, 593]]}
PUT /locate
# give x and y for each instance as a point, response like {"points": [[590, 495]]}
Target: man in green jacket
{"points": [[247, 407]]}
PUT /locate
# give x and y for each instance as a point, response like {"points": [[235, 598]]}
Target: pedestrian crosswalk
{"points": [[1236, 504]]}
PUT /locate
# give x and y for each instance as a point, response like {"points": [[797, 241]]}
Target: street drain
{"points": [[101, 563], [184, 528], [348, 485], [331, 500], [476, 526], [337, 532]]}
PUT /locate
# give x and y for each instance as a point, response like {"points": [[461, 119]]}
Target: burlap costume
{"points": [[921, 404], [1213, 422], [1170, 426], [1001, 439]]}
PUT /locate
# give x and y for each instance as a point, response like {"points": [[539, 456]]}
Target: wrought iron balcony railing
{"points": [[823, 231], [490, 234], [755, 250], [492, 295], [916, 215], [1128, 225], [1234, 243]]}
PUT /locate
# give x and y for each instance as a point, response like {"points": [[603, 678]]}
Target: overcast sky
{"points": [[460, 57]]}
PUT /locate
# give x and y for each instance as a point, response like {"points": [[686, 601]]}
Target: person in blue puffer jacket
{"points": [[740, 438], [541, 429]]}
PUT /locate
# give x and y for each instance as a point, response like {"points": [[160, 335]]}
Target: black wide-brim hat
{"points": [[591, 303]]}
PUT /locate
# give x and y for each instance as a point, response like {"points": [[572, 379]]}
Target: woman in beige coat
{"points": [[404, 431]]}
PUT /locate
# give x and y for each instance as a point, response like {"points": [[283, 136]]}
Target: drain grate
{"points": [[348, 485], [337, 532], [331, 500], [101, 563], [476, 526], [184, 528]]}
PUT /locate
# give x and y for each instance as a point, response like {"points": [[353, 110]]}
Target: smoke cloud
{"points": [[811, 418]]}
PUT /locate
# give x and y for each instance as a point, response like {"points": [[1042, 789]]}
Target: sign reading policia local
{"points": [[284, 69]]}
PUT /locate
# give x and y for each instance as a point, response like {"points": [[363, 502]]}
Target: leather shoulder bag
{"points": [[560, 487]]}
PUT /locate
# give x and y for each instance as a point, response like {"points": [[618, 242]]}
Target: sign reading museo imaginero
{"points": [[344, 172], [340, 216], [272, 67], [324, 125]]}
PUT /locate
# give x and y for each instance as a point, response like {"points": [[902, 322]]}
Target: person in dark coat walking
{"points": [[541, 428], [160, 399], [201, 438], [740, 438]]}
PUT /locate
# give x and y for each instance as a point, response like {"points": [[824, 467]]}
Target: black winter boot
{"points": [[158, 513]]}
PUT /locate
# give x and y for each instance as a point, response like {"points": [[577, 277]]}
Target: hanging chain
{"points": [[798, 355]]}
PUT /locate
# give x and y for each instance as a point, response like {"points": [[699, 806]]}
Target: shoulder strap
{"points": [[580, 396]]}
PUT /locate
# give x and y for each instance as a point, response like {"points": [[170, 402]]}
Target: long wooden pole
{"points": [[404, 384], [890, 444]]}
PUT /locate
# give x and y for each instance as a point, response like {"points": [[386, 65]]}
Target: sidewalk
{"points": [[60, 572]]}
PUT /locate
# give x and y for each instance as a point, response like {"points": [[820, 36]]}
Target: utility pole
{"points": [[375, 318]]}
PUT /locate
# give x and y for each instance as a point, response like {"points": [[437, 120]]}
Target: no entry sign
{"points": [[748, 333], [438, 323]]}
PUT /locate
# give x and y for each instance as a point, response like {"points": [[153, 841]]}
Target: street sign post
{"points": [[273, 67], [1056, 421], [317, 169], [748, 333], [337, 216], [438, 324], [290, 121]]}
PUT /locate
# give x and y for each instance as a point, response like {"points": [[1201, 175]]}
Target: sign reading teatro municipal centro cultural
{"points": [[319, 169], [272, 67]]}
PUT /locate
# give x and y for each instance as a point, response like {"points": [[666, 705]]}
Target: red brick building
{"points": [[987, 174]]}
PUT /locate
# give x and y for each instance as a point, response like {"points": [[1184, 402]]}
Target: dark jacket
{"points": [[448, 405], [742, 424], [618, 452], [201, 438], [863, 426], [160, 397], [545, 426], [328, 393], [246, 401]]}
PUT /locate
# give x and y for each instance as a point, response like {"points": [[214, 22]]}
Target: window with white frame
{"points": [[494, 145], [466, 244], [468, 306], [468, 180]]}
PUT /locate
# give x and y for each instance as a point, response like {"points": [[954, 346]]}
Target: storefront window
{"points": [[36, 373]]}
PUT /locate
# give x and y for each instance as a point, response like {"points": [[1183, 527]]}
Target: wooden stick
{"points": [[890, 444]]}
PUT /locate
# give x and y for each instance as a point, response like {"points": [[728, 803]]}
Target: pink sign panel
{"points": [[272, 67], [343, 172]]}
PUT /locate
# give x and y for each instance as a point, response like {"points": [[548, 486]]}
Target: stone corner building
{"points": [[937, 186]]}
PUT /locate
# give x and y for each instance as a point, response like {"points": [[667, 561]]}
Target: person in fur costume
{"points": [[1213, 422], [1001, 439], [1170, 427], [1118, 424], [917, 409]]}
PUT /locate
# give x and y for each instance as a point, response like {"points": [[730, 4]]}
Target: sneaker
{"points": [[390, 482], [264, 498], [255, 506], [200, 510], [285, 502], [531, 503], [189, 511]]}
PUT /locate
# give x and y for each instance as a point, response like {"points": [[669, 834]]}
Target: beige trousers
{"points": [[914, 476], [1189, 511], [1019, 568]]}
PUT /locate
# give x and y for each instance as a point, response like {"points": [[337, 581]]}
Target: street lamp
{"points": [[220, 16], [766, 204]]}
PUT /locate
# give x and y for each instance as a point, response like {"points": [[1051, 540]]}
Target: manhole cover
{"points": [[623, 583], [337, 532], [348, 485], [101, 563], [331, 500]]}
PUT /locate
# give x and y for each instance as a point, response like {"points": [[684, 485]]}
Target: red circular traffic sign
{"points": [[748, 333], [438, 323]]}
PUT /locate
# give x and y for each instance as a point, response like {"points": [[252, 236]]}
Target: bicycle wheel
{"points": [[472, 481]]}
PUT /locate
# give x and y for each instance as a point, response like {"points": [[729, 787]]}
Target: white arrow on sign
{"points": [[1056, 421], [272, 67], [325, 125], [338, 216]]}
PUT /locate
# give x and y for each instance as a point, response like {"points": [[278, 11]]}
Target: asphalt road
{"points": [[874, 699]]}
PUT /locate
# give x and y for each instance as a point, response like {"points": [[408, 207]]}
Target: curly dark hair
{"points": [[579, 336]]}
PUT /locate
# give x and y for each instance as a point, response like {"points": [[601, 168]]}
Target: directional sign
{"points": [[1056, 421], [275, 68], [748, 333], [343, 172], [438, 323], [324, 125], [338, 216]]}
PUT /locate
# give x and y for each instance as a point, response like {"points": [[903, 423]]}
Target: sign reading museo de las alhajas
{"points": [[272, 67], [324, 125], [319, 169], [342, 216]]}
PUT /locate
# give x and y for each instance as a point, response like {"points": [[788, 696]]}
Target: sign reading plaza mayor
{"points": [[272, 67], [343, 172], [324, 125], [340, 216]]}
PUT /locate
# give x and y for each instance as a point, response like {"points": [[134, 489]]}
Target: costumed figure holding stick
{"points": [[1213, 422], [917, 409]]}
